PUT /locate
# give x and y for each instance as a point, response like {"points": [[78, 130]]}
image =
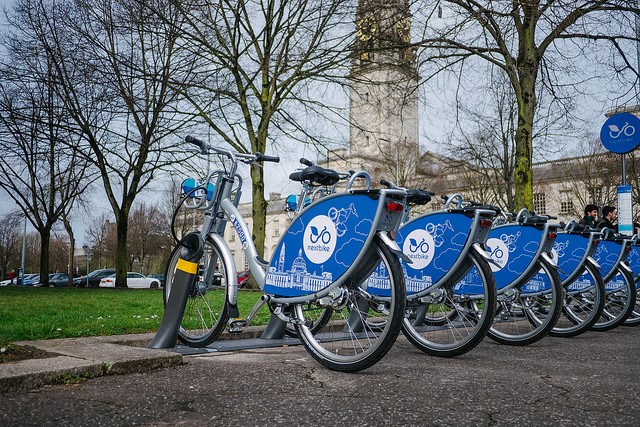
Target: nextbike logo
{"points": [[419, 247], [320, 239], [236, 224], [499, 253]]}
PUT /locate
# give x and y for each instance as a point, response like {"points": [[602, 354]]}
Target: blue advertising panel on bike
{"points": [[433, 242], [583, 282], [633, 260], [607, 256], [512, 249], [569, 251], [321, 244], [615, 284]]}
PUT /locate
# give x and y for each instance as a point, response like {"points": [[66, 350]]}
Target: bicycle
{"points": [[302, 274], [446, 317], [529, 291], [633, 261], [620, 287], [584, 291]]}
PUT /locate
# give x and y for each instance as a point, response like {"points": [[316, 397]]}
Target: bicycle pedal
{"points": [[236, 325]]}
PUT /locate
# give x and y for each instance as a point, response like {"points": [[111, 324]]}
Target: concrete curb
{"points": [[82, 358]]}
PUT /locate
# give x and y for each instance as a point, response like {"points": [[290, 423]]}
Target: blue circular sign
{"points": [[621, 133]]}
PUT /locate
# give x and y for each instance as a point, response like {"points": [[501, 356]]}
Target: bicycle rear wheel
{"points": [[527, 312], [363, 327], [206, 314], [583, 304], [620, 300], [454, 322]]}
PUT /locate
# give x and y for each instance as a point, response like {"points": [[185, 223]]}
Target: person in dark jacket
{"points": [[609, 214], [590, 216]]}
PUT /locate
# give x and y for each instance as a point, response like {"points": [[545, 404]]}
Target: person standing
{"points": [[590, 216], [609, 215], [12, 275]]}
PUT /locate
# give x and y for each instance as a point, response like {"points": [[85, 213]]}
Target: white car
{"points": [[134, 280]]}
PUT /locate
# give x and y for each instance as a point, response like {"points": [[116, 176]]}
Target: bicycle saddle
{"points": [[418, 197], [316, 175]]}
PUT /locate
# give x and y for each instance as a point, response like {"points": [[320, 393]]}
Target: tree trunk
{"points": [[259, 209], [72, 246], [122, 226], [45, 238], [526, 95]]}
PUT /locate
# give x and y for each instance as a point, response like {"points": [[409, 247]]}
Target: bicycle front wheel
{"points": [[634, 317], [363, 327], [455, 321], [583, 304], [620, 300], [206, 314], [526, 313]]}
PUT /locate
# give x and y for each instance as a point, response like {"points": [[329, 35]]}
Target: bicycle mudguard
{"points": [[434, 243], [609, 255], [570, 251], [327, 240]]}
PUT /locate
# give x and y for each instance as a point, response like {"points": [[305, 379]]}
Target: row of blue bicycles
{"points": [[358, 265]]}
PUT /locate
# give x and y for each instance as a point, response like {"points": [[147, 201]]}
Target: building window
{"points": [[595, 195], [540, 203], [566, 202], [276, 228]]}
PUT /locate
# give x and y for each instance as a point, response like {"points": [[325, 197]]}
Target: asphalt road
{"points": [[591, 380]]}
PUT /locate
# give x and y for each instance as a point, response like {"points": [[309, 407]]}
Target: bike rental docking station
{"points": [[620, 134]]}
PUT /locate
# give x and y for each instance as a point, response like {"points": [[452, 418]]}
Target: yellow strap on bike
{"points": [[186, 266]]}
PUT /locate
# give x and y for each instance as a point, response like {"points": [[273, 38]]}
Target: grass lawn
{"points": [[28, 313]]}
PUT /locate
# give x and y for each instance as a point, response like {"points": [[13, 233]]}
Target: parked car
{"points": [[30, 279], [160, 277], [59, 280], [134, 280], [243, 278], [94, 277], [39, 282]]}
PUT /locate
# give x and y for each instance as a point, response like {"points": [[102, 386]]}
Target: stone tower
{"points": [[383, 93]]}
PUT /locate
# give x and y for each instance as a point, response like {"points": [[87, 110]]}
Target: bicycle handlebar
{"points": [[257, 157], [195, 141]]}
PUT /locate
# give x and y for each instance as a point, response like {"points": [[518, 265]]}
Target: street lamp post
{"points": [[86, 254]]}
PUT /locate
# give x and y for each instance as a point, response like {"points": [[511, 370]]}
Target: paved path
{"points": [[591, 380]]}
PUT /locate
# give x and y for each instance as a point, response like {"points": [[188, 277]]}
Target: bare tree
{"points": [[112, 65], [533, 43], [254, 64], [101, 237], [10, 226], [41, 171], [148, 236]]}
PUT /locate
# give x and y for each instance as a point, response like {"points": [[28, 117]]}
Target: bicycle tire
{"points": [[619, 303], [581, 308], [463, 323], [523, 318], [634, 317], [348, 343], [206, 312]]}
